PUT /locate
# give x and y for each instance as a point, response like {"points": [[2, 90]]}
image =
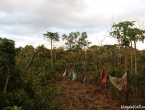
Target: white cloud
{"points": [[27, 21]]}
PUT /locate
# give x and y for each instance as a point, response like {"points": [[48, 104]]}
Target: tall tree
{"points": [[131, 56], [82, 42], [75, 40], [120, 31], [134, 35], [70, 40], [7, 61], [52, 36]]}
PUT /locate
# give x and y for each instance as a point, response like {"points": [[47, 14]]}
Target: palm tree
{"points": [[52, 36], [121, 33], [135, 35], [131, 57], [142, 36]]}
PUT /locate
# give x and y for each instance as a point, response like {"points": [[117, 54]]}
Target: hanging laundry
{"points": [[82, 78], [70, 73], [119, 83], [73, 76], [104, 79], [103, 72], [103, 75], [64, 74]]}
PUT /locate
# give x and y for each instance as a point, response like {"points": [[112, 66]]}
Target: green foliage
{"points": [[32, 90], [7, 51], [120, 31], [136, 34], [14, 108], [52, 36], [136, 78], [7, 59], [75, 41]]}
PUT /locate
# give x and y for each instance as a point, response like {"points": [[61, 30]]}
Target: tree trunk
{"points": [[118, 60], [135, 57], [131, 58], [30, 60], [51, 55], [54, 59], [85, 62], [126, 62], [7, 80], [6, 84]]}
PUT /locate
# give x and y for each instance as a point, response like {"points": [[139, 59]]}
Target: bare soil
{"points": [[74, 95]]}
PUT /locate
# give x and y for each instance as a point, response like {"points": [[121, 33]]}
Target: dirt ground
{"points": [[74, 95]]}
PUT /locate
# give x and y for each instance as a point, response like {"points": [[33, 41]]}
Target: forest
{"points": [[42, 79]]}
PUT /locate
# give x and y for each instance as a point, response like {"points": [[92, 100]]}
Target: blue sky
{"points": [[25, 21]]}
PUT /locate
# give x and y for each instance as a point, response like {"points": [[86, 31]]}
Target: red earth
{"points": [[74, 95]]}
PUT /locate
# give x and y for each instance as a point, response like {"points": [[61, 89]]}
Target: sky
{"points": [[25, 21]]}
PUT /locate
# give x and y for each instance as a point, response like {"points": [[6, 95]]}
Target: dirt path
{"points": [[74, 95]]}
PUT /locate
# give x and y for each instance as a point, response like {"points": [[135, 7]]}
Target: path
{"points": [[82, 96]]}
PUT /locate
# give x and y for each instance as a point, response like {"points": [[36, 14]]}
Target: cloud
{"points": [[31, 19]]}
